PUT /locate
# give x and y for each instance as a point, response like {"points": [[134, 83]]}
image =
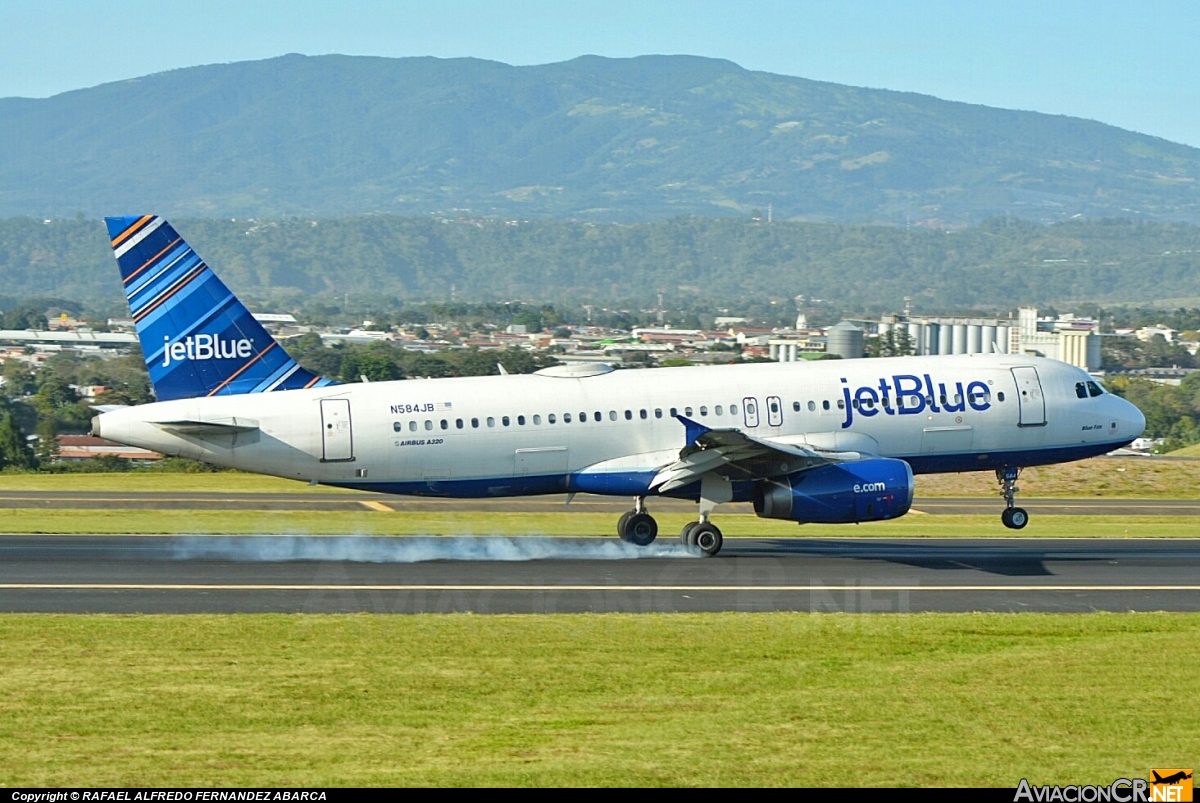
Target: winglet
{"points": [[695, 430]]}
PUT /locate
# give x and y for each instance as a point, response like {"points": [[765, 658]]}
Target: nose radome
{"points": [[1133, 422]]}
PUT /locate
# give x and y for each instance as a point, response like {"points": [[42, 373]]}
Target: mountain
{"points": [[376, 261], [592, 138]]}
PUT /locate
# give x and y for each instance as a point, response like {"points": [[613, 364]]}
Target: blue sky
{"points": [[1131, 64]]}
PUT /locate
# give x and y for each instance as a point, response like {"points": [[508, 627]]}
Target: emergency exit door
{"points": [[337, 435], [1032, 405]]}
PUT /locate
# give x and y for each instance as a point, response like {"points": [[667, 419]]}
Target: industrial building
{"points": [[1067, 338]]}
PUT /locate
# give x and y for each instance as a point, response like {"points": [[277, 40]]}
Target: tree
{"points": [[14, 450]]}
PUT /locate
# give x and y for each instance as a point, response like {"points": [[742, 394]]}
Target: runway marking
{"points": [[379, 506], [435, 587]]}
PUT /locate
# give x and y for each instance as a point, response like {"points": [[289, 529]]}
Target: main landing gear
{"points": [[639, 527], [1014, 518]]}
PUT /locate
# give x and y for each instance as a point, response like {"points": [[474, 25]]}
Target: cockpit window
{"points": [[1081, 390], [1094, 389]]}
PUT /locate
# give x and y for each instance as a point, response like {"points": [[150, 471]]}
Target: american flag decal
{"points": [[443, 406]]}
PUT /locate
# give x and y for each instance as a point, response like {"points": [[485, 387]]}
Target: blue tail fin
{"points": [[197, 337]]}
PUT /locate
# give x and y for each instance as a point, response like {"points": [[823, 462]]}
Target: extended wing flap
{"points": [[744, 455]]}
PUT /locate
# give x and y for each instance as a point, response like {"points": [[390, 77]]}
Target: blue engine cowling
{"points": [[839, 493]]}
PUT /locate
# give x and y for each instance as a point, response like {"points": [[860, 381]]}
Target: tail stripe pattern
{"points": [[197, 338]]}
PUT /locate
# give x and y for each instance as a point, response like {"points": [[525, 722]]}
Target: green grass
{"points": [[228, 522], [1108, 477], [723, 699], [1187, 451]]}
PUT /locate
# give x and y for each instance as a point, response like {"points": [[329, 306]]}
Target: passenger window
{"points": [[942, 399], [1000, 396], [733, 409], [657, 412], [521, 420], [474, 423], [674, 412], [566, 418], [703, 410], [773, 406], [537, 419], [551, 418], [841, 404], [643, 414], [854, 403], [491, 421], [1094, 389], [795, 407], [717, 410], [445, 424], [397, 427], [825, 404], [612, 415], [504, 421], [412, 426], [597, 417], [428, 424], [958, 398], [812, 406], [583, 418], [629, 415], [458, 423], [687, 411], [1081, 390]]}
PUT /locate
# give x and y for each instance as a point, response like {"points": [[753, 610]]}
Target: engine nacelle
{"points": [[840, 493]]}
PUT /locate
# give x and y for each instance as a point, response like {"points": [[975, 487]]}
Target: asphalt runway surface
{"points": [[325, 501], [225, 574]]}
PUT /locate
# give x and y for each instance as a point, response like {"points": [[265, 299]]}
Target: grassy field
{"points": [[724, 699], [1187, 451], [220, 522], [1111, 477]]}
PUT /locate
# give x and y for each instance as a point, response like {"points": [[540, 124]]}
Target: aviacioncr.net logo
{"points": [[205, 347]]}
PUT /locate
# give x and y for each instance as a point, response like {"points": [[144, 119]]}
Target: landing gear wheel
{"points": [[706, 537], [686, 533], [1014, 518], [622, 522], [640, 529]]}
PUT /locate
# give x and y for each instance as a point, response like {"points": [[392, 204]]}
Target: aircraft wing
{"points": [[739, 453]]}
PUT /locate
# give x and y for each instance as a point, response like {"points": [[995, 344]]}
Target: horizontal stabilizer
{"points": [[215, 427]]}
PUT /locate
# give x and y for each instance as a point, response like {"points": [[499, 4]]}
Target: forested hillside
{"points": [[593, 138], [378, 260]]}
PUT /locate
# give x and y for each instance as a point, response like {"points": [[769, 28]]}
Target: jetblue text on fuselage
{"points": [[907, 394], [204, 347]]}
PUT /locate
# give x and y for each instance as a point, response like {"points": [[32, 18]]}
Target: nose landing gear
{"points": [[1013, 517]]}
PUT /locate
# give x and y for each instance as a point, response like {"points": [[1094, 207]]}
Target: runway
{"points": [[226, 574], [357, 502]]}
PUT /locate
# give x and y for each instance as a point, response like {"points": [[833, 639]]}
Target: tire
{"points": [[1018, 518], [641, 529], [685, 534], [707, 538], [622, 524], [1006, 517]]}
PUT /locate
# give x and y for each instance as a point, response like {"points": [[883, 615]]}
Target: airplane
{"points": [[831, 441], [1174, 778]]}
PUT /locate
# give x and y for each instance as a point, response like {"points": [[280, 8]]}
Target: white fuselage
{"points": [[609, 433]]}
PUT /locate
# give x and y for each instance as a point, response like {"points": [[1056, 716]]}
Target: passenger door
{"points": [[1031, 402], [337, 435]]}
